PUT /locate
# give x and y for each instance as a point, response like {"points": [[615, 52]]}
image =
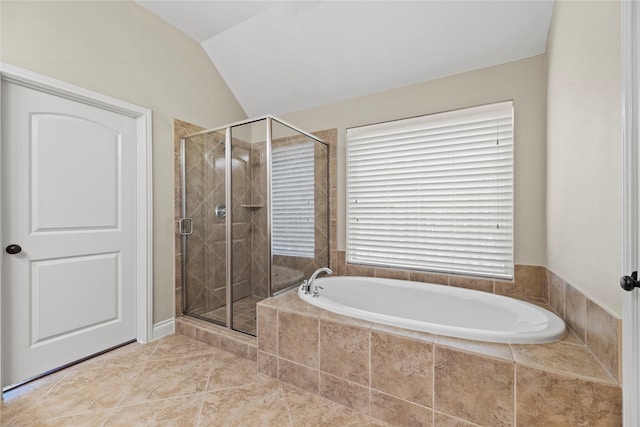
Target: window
{"points": [[433, 192], [292, 200]]}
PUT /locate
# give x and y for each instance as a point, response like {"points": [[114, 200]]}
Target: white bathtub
{"points": [[437, 309]]}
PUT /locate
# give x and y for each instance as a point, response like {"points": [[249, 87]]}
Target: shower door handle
{"points": [[184, 230]]}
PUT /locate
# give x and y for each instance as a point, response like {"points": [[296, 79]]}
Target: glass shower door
{"points": [[249, 252], [203, 226]]}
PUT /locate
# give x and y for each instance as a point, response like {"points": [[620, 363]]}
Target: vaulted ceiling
{"points": [[284, 56]]}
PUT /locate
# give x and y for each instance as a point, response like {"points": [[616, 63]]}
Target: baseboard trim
{"points": [[162, 329]]}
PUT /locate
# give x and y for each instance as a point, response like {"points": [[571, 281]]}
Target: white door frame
{"points": [[144, 221], [630, 15]]}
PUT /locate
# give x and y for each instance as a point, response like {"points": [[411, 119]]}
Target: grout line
{"points": [[146, 402], [277, 334], [370, 358], [433, 381], [455, 418], [286, 402], [319, 353], [201, 407], [133, 380], [108, 414], [515, 394]]}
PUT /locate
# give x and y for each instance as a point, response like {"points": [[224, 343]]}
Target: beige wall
{"points": [[584, 182], [572, 223], [121, 50], [523, 81]]}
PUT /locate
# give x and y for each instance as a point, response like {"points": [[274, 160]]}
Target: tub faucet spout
{"points": [[310, 286]]}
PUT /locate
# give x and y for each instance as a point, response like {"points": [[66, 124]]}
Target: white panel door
{"points": [[69, 202]]}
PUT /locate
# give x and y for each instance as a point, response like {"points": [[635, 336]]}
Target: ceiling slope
{"points": [[281, 57]]}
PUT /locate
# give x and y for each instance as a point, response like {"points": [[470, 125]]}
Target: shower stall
{"points": [[254, 217]]}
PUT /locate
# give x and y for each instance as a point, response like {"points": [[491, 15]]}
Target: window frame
{"points": [[506, 268]]}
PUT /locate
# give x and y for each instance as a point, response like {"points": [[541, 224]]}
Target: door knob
{"points": [[629, 283], [13, 249]]}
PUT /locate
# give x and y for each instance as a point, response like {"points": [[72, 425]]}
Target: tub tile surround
{"points": [[473, 387], [595, 327], [414, 378], [589, 323]]}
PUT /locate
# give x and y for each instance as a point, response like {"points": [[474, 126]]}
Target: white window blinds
{"points": [[434, 192], [292, 201]]}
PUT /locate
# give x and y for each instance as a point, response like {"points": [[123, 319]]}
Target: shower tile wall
{"points": [[242, 228]]}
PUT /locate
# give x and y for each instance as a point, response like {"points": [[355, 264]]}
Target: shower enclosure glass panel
{"points": [[255, 228], [299, 200], [203, 226], [249, 231]]}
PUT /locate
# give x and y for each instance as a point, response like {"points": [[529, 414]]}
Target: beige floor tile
{"points": [[178, 411], [162, 384], [237, 372], [92, 390], [162, 379], [86, 419], [252, 405], [20, 399], [128, 354]]}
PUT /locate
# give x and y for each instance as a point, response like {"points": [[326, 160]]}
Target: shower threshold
{"points": [[244, 315]]}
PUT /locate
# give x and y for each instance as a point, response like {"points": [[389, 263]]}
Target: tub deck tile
{"points": [[574, 402], [407, 333], [562, 358], [494, 350]]}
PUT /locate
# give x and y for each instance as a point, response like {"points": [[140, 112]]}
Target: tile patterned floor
{"points": [[175, 381]]}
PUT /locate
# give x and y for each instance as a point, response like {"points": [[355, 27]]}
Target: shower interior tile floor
{"points": [[174, 381], [244, 314]]}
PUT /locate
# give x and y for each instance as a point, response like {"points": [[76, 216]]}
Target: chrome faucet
{"points": [[310, 287]]}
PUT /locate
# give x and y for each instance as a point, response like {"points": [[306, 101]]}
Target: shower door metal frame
{"points": [[229, 205], [228, 200]]}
